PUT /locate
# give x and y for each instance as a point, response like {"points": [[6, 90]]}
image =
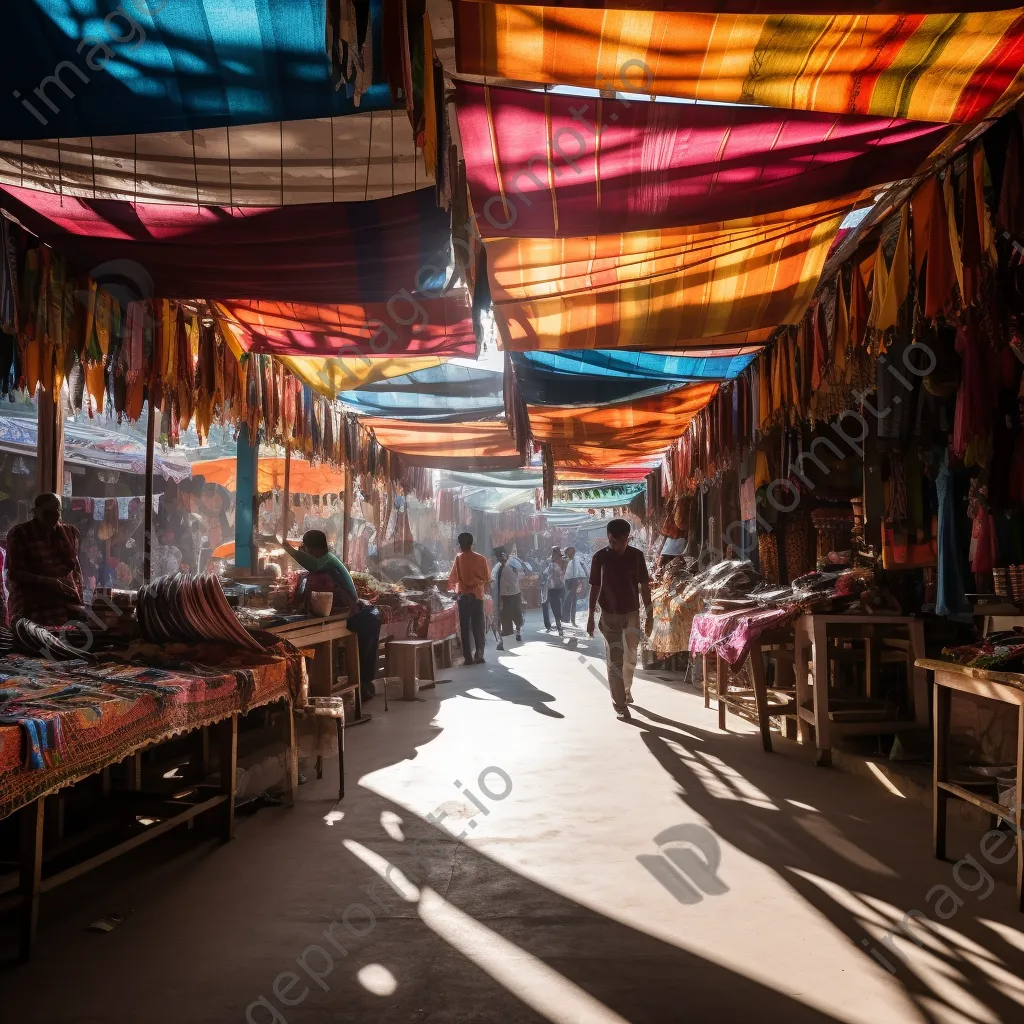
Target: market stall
{"points": [[175, 663]]}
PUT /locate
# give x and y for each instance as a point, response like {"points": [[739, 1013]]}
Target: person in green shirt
{"points": [[326, 572]]}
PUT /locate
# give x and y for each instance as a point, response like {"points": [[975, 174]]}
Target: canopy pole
{"points": [[346, 514], [147, 531], [287, 491], [49, 444], [246, 497]]}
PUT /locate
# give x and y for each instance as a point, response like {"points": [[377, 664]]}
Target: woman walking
{"points": [[554, 577]]}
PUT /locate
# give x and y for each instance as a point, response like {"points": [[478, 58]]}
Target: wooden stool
{"points": [[413, 661], [326, 708], [757, 703]]}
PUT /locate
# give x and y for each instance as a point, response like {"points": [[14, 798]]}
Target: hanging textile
{"points": [[170, 66], [411, 324], [655, 165], [449, 393], [605, 376], [317, 253], [463, 446], [280, 163], [931, 67], [612, 434], [660, 289]]}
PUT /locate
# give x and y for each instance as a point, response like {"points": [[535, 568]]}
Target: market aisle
{"points": [[559, 904]]}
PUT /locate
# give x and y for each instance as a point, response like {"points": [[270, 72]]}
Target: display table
{"points": [[320, 635], [811, 639], [61, 722], [1006, 687]]}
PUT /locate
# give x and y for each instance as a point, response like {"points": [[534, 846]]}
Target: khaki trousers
{"points": [[622, 638]]}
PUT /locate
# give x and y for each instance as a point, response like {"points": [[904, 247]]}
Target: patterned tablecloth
{"points": [[732, 634], [63, 721]]}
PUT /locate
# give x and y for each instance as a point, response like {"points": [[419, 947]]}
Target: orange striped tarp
{"points": [[733, 281], [955, 68], [482, 445], [608, 435]]}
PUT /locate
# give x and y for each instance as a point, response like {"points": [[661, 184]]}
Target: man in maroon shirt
{"points": [[618, 580], [44, 577]]}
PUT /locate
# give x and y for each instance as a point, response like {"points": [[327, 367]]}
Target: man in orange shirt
{"points": [[469, 576]]}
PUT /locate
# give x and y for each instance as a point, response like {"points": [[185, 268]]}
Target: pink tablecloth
{"points": [[731, 635]]}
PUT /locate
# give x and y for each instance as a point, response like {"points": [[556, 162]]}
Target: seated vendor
{"points": [[327, 573], [44, 576]]}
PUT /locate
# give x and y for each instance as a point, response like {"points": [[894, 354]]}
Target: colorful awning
{"points": [[546, 165], [449, 393], [407, 325], [330, 253], [605, 376], [733, 282], [930, 67], [457, 446], [79, 69], [323, 160], [304, 477], [616, 434], [331, 375]]}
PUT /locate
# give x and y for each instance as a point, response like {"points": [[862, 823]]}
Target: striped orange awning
{"points": [[733, 282], [484, 445], [955, 68], [610, 435]]}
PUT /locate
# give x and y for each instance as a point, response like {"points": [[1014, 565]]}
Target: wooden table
{"points": [[322, 634], [811, 633], [1007, 687]]}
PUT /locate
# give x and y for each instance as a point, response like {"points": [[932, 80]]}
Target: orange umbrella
{"points": [[305, 477]]}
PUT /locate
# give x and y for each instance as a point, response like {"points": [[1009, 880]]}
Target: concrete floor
{"points": [[563, 901]]}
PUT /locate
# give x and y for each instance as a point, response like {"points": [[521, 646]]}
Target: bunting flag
{"points": [[951, 67], [327, 252], [408, 325], [468, 447], [546, 165], [733, 282], [613, 434], [324, 160]]}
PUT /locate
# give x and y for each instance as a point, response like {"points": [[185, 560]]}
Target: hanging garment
{"points": [[950, 597]]}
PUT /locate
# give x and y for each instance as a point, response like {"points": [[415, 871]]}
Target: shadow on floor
{"points": [[457, 938], [865, 872]]}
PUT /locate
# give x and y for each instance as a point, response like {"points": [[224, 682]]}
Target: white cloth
{"points": [[575, 569], [673, 546], [509, 577]]}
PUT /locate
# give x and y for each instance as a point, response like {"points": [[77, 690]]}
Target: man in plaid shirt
{"points": [[44, 576]]}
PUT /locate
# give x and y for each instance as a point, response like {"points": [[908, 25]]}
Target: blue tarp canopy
{"points": [[449, 393], [603, 376], [117, 67]]}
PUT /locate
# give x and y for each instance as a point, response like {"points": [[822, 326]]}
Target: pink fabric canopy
{"points": [[321, 252], [538, 167]]}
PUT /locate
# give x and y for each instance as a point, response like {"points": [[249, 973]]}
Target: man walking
{"points": [[505, 576], [469, 576], [618, 581], [575, 580]]}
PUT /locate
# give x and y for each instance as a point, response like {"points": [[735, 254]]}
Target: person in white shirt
{"points": [[505, 576], [575, 578]]}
